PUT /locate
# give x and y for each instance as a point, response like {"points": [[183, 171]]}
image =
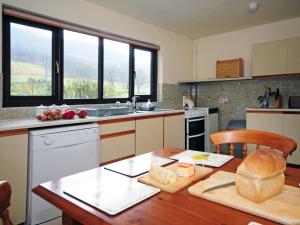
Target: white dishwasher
{"points": [[55, 153]]}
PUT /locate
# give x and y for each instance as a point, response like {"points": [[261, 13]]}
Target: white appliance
{"points": [[199, 124], [55, 153], [196, 129]]}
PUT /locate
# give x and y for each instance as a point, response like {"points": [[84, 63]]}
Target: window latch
{"points": [[57, 67]]}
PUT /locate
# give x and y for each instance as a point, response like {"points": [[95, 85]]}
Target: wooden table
{"points": [[162, 209]]}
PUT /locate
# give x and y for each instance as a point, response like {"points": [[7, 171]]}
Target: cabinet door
{"points": [[116, 147], [13, 168], [269, 58], [294, 55], [149, 135], [174, 131], [272, 122], [292, 130]]}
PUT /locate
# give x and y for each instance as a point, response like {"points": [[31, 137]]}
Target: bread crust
{"points": [[261, 175]]}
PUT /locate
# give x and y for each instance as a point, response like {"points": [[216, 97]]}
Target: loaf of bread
{"points": [[261, 175], [162, 175]]}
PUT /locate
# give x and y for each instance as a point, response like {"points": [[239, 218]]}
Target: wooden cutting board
{"points": [[283, 208], [180, 183]]}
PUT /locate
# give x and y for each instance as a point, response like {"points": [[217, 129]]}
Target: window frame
{"points": [[58, 73], [8, 99], [61, 76], [153, 74]]}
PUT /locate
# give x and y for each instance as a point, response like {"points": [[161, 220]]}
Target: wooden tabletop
{"points": [[164, 208]]}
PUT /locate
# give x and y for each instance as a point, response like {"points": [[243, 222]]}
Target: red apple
{"points": [[82, 114], [69, 114]]}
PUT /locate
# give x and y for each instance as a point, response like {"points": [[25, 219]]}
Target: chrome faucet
{"points": [[134, 100]]}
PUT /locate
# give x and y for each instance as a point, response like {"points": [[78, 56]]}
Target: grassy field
{"points": [[30, 80]]}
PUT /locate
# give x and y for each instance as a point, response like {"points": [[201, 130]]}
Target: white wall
{"points": [[237, 44], [175, 56]]}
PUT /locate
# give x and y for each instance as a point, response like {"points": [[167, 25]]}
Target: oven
{"points": [[196, 130]]}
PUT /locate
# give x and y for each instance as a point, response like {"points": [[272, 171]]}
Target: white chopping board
{"points": [[111, 193], [137, 165], [203, 158], [283, 208]]}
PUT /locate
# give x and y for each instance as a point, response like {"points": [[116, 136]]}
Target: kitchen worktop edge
{"points": [[272, 110], [30, 123]]}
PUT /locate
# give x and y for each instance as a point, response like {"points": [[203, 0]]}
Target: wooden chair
{"points": [[260, 138], [5, 194]]}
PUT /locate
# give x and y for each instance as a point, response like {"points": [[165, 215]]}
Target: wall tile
{"points": [[242, 95]]}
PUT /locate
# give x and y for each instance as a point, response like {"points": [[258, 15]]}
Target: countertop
{"points": [[273, 110], [17, 124]]}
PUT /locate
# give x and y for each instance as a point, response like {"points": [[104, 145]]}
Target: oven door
{"points": [[196, 142], [196, 133], [195, 126]]}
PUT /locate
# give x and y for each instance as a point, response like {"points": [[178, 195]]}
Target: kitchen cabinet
{"points": [[293, 55], [174, 131], [281, 123], [13, 168], [272, 122], [117, 140], [149, 134], [291, 129], [269, 58]]}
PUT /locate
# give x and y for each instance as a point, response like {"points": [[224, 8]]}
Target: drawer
{"points": [[111, 128], [117, 147]]}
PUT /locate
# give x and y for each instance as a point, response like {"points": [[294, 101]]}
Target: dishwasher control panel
{"points": [[61, 138]]}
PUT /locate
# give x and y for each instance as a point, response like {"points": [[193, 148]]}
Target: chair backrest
{"points": [[5, 194], [260, 138]]}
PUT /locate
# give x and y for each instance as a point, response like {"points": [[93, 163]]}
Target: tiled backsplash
{"points": [[243, 94], [169, 96]]}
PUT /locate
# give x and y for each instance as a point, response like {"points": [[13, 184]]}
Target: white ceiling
{"points": [[198, 18]]}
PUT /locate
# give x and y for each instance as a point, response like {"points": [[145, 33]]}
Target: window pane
{"points": [[31, 61], [116, 69], [80, 66], [142, 72]]}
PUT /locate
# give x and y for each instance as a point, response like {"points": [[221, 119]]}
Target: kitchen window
{"points": [[45, 64], [115, 70], [80, 66]]}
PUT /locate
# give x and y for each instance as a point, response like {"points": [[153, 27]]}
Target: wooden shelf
{"points": [[214, 80]]}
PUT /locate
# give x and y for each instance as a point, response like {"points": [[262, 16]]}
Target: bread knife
{"points": [[219, 186]]}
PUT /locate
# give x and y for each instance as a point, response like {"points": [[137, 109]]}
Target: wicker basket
{"points": [[230, 68]]}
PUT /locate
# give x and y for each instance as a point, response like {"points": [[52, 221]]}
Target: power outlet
{"points": [[223, 99]]}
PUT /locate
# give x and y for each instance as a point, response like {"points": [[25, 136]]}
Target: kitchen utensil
{"points": [[219, 186]]}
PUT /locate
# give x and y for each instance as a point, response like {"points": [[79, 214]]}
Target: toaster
{"points": [[294, 102]]}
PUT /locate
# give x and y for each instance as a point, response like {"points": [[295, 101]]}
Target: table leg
{"points": [[67, 220]]}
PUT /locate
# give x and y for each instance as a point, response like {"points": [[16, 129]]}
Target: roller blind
{"points": [[66, 25]]}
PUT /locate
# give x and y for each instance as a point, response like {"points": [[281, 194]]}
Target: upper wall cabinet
{"points": [[293, 55], [277, 57], [269, 58]]}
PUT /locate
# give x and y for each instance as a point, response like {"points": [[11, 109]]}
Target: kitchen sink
{"points": [[118, 111]]}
